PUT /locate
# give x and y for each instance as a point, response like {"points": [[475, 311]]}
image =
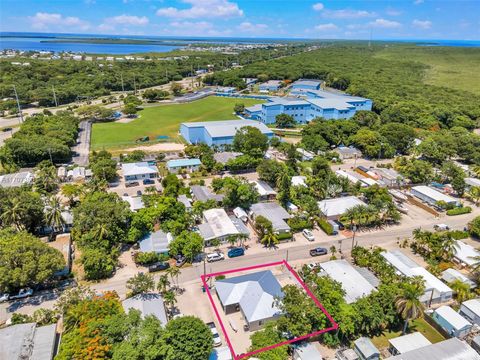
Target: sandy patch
{"points": [[125, 120], [157, 147]]}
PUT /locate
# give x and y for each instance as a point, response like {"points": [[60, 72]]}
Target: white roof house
{"points": [[273, 212], [299, 181], [450, 320], [348, 176], [138, 168], [255, 294], [470, 310], [431, 196], [147, 304], [353, 283], [465, 254], [135, 202], [451, 349], [264, 190], [334, 208], [452, 274], [306, 351], [409, 342], [472, 181], [218, 225], [407, 267]]}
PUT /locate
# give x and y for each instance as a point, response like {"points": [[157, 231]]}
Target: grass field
{"points": [[452, 67], [419, 325], [163, 120]]}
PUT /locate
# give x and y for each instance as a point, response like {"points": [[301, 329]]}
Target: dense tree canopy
{"points": [[250, 141]]}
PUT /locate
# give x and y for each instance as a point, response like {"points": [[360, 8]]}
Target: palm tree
{"points": [[101, 231], [71, 191], [475, 194], [450, 246], [13, 214], [174, 272], [232, 239], [408, 304], [462, 290], [269, 239], [170, 300], [53, 214], [163, 284]]}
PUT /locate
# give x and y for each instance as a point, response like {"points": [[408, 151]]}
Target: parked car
{"points": [[7, 129], [441, 227], [181, 260], [148, 181], [159, 266], [131, 184], [308, 235], [216, 256], [139, 193], [239, 251], [318, 251], [216, 337], [23, 293], [4, 297]]}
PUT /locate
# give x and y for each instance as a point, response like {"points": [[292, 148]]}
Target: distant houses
{"points": [[139, 171], [270, 86]]}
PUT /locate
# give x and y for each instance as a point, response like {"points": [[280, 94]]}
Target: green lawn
{"points": [[164, 120], [452, 67], [420, 325]]}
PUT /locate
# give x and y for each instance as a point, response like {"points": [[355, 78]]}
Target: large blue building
{"points": [[218, 133], [308, 102]]}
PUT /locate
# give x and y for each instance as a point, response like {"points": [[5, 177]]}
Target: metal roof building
{"points": [[306, 351], [255, 294], [147, 304], [135, 202], [264, 190], [451, 321], [224, 157], [189, 164], [299, 180], [452, 274], [203, 193], [157, 242], [365, 349], [451, 349], [465, 254], [334, 208], [218, 225], [352, 281], [139, 171], [472, 182], [16, 179], [27, 341], [409, 342], [273, 212], [185, 201], [431, 195], [470, 310]]}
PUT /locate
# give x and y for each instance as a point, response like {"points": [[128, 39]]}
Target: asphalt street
{"points": [[82, 148]]}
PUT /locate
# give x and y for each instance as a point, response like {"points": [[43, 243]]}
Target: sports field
{"points": [[163, 120]]}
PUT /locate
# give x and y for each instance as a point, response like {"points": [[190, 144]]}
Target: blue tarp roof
{"points": [[183, 162]]}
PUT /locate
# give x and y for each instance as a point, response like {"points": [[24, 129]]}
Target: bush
{"points": [[284, 236], [459, 211], [147, 258], [459, 234], [325, 226], [220, 277], [298, 223]]}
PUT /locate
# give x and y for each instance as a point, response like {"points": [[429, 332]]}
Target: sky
{"points": [[400, 19]]}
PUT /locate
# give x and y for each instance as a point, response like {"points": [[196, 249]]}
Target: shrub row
{"points": [[459, 211], [325, 226]]}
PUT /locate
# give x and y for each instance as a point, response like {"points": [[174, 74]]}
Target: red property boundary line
{"points": [[304, 286]]}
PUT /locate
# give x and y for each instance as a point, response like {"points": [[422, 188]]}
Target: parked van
{"points": [[236, 252], [335, 227]]}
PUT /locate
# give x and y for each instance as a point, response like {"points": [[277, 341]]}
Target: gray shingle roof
{"points": [[273, 212], [27, 341], [451, 349], [147, 304]]}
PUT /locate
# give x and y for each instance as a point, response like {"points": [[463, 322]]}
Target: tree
{"points": [[25, 261], [237, 191], [271, 170], [373, 144], [53, 214], [188, 244], [283, 185], [475, 194], [163, 284], [46, 179], [140, 284], [71, 191], [270, 239], [170, 300], [187, 338], [174, 273], [176, 88], [103, 166], [400, 136], [239, 108], [95, 113], [408, 303], [71, 297], [250, 141], [267, 337], [130, 109], [262, 226], [284, 121], [474, 227], [132, 99], [98, 263], [462, 290], [418, 171]]}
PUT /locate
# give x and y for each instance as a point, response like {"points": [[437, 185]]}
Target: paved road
{"points": [[83, 143], [4, 135]]}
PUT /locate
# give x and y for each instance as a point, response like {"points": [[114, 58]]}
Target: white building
{"points": [[135, 202], [435, 290], [353, 283], [335, 208], [470, 182], [305, 154], [265, 191], [139, 171], [183, 164], [273, 212], [451, 349], [432, 196], [218, 225], [306, 351], [470, 310], [451, 275], [452, 322], [299, 181], [409, 342], [465, 254]]}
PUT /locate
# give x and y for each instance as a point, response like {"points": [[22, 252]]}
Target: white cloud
{"points": [[203, 9], [318, 7], [418, 2], [386, 24], [248, 27], [422, 24], [326, 27], [393, 12], [43, 21], [127, 20], [201, 28], [347, 14]]}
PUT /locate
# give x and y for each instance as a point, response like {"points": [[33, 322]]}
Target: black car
{"points": [[148, 181], [159, 266], [7, 129], [318, 251]]}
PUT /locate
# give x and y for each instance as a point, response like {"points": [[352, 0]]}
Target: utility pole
{"points": [[134, 86], [18, 104], [192, 76], [54, 96], [121, 79]]}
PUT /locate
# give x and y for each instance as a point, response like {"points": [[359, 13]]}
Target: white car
{"points": [[4, 297], [308, 235], [23, 293], [216, 337], [216, 256]]}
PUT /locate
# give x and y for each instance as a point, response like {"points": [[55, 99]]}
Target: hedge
{"points": [[284, 236], [298, 224], [459, 234], [459, 211], [325, 226]]}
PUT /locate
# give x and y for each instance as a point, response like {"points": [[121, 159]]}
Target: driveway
{"points": [[82, 149]]}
